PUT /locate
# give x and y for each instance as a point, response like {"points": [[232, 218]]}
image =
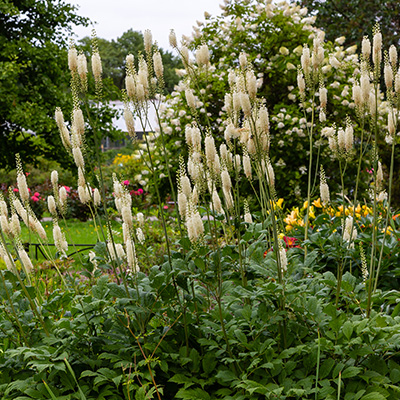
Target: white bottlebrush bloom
{"points": [[388, 74], [185, 55], [243, 60], [366, 48], [22, 187], [341, 139], [203, 55], [140, 92], [182, 205], [245, 103], [7, 259], [84, 195], [140, 218], [365, 87], [148, 40], [195, 195], [247, 166], [283, 258], [126, 214], [306, 60], [391, 124], [236, 102], [270, 174], [247, 216], [301, 83], [397, 82], [82, 66], [377, 48], [26, 261], [21, 210], [349, 232], [196, 139], [251, 84], [226, 180], [379, 177], [158, 65], [216, 202], [97, 68], [357, 95], [38, 228], [72, 59], [210, 150], [4, 225], [15, 225], [78, 157], [185, 185], [393, 56], [130, 86], [131, 256], [96, 197], [191, 101], [51, 204], [172, 39], [195, 226], [59, 239], [140, 235], [129, 122], [54, 179], [348, 137], [3, 208], [81, 177], [62, 195], [323, 96]]}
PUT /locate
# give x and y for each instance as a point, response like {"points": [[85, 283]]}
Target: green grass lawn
{"points": [[76, 232]]}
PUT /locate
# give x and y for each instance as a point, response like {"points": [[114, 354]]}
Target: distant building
{"points": [[119, 123]]}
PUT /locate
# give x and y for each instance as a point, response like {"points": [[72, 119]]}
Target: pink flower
{"points": [[34, 198], [126, 183], [67, 188], [140, 191], [15, 190], [165, 207], [36, 194]]}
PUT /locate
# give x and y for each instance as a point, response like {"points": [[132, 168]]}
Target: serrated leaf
{"points": [[350, 372], [226, 376], [326, 368], [373, 396], [347, 329], [192, 394]]}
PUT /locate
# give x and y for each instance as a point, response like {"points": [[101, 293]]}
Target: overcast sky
{"points": [[114, 17]]}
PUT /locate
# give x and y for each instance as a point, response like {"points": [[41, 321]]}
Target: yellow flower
{"points": [[317, 203], [305, 204], [312, 212], [279, 203]]}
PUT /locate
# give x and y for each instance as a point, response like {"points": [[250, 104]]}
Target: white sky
{"points": [[114, 17]]}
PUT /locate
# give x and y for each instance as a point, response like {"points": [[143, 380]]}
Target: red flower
{"points": [[67, 188], [126, 183], [34, 198], [140, 191], [15, 190]]}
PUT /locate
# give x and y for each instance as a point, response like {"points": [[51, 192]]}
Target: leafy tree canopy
{"points": [[33, 76], [355, 19]]}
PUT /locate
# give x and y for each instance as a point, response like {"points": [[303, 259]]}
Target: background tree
{"points": [[34, 78], [355, 19]]}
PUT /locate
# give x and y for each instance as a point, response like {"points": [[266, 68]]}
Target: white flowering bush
{"points": [[272, 37]]}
